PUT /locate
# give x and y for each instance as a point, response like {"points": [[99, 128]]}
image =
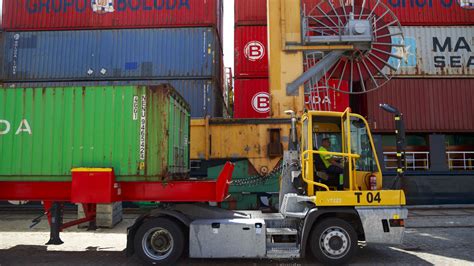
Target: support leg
{"points": [[55, 224], [90, 212]]}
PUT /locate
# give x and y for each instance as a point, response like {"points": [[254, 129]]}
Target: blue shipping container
{"points": [[204, 96], [169, 53]]}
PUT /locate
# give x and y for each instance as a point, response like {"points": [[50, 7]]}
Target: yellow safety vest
{"points": [[325, 157]]}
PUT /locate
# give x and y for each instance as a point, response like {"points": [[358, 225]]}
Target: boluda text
{"points": [[80, 6]]}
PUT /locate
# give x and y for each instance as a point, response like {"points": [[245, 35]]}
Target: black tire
{"points": [[334, 241], [159, 241]]}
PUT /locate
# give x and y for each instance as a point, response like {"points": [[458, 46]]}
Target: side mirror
{"points": [[388, 108]]}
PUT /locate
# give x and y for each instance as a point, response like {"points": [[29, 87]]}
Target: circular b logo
{"points": [[261, 102], [254, 50]]}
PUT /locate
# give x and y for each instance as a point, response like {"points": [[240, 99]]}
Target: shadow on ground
{"points": [[39, 255]]}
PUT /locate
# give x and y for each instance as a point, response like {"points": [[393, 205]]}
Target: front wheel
{"points": [[334, 241], [159, 241]]}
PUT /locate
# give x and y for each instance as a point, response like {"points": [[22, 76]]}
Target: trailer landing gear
{"points": [[55, 213]]}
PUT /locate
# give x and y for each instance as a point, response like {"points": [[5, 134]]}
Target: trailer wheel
{"points": [[159, 241], [334, 241]]}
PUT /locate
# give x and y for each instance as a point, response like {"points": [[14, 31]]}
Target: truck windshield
{"points": [[360, 144]]}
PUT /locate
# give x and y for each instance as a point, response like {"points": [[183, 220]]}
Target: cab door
{"points": [[346, 148], [307, 155], [363, 145]]}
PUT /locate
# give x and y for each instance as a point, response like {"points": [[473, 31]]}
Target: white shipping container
{"points": [[435, 52]]}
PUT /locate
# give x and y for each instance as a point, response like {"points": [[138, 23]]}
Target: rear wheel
{"points": [[159, 241], [334, 241]]}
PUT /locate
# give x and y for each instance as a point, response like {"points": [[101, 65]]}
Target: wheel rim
{"points": [[157, 243], [335, 242]]}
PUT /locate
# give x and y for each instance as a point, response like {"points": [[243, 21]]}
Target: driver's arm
{"points": [[333, 161]]}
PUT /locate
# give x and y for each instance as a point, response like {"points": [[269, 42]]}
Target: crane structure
{"points": [[352, 49]]}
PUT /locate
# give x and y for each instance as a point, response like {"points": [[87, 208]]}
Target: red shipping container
{"points": [[323, 98], [251, 98], [428, 105], [423, 12], [21, 15], [432, 12], [251, 52], [409, 12], [250, 12]]}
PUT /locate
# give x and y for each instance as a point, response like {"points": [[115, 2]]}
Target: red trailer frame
{"points": [[104, 189]]}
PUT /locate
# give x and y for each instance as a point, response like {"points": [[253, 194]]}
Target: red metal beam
{"points": [[35, 191], [89, 215], [181, 191], [175, 191]]}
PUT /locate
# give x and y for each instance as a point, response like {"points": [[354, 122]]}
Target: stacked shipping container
{"points": [[251, 66], [250, 12], [26, 15], [117, 41], [322, 95], [204, 94], [251, 86], [434, 90], [432, 12], [140, 131], [422, 12], [429, 105], [438, 38]]}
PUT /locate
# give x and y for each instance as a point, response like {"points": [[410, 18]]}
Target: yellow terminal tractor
{"points": [[354, 148], [331, 194], [327, 221]]}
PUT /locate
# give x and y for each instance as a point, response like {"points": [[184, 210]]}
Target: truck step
{"points": [[281, 231], [282, 245], [283, 253]]}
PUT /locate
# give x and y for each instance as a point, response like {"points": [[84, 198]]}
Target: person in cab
{"points": [[329, 164]]}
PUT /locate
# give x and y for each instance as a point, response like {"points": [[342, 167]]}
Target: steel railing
{"points": [[460, 160], [418, 160]]}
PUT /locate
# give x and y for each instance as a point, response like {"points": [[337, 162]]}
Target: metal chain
{"points": [[259, 179]]}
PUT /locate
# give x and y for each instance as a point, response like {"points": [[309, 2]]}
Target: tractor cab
{"points": [[338, 153]]}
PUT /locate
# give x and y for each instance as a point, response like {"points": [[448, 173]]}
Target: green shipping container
{"points": [[142, 132]]}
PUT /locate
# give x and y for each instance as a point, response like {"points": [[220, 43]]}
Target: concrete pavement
{"points": [[434, 236]]}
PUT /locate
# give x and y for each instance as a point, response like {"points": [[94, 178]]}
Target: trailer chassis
{"points": [[92, 186]]}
